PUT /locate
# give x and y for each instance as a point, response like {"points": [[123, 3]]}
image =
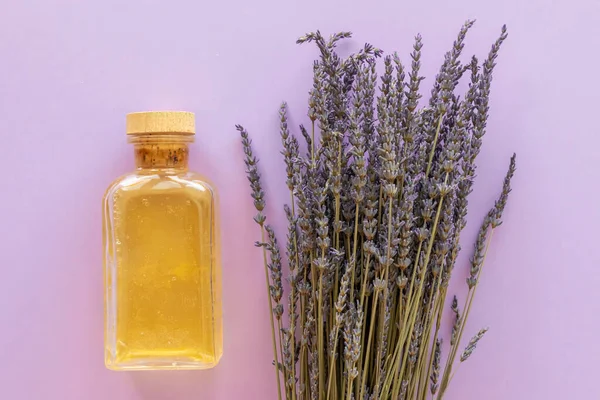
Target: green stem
{"points": [[364, 282], [438, 312], [468, 303], [433, 145], [292, 323], [283, 368], [307, 388], [353, 259], [262, 235], [366, 363], [302, 348], [424, 341], [364, 326], [380, 342], [349, 389], [392, 328], [332, 363], [414, 377], [320, 347], [334, 392]]}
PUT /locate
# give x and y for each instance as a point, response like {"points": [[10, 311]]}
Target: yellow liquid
{"points": [[163, 279]]}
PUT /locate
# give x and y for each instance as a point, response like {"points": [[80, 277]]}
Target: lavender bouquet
{"points": [[378, 199]]}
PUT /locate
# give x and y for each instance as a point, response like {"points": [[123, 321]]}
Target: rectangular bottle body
{"points": [[162, 271]]}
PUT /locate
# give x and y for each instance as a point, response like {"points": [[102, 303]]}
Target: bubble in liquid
{"points": [[145, 202]]}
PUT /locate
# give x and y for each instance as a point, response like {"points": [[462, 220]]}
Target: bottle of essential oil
{"points": [[161, 254]]}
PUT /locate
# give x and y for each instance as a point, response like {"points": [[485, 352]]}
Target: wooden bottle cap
{"points": [[157, 122]]}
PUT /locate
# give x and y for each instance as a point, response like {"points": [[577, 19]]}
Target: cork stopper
{"points": [[161, 122]]}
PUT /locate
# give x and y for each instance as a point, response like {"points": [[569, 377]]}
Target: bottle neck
{"points": [[161, 152]]}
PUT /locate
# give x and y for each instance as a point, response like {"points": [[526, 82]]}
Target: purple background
{"points": [[70, 70]]}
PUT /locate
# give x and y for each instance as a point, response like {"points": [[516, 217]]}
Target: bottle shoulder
{"points": [[200, 179], [192, 183]]}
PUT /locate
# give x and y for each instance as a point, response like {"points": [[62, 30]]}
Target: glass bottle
{"points": [[161, 254]]}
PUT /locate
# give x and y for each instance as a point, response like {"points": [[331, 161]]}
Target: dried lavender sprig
{"points": [[445, 79], [386, 307], [307, 323], [457, 49], [258, 195], [292, 246], [414, 344], [358, 144], [316, 105], [352, 65], [293, 263], [290, 150], [352, 336], [274, 267], [506, 189], [435, 373], [457, 321], [441, 94], [325, 47], [470, 148], [448, 165], [389, 111], [477, 262], [472, 345], [358, 168], [307, 138], [330, 102], [368, 52], [368, 121], [398, 101], [472, 280], [322, 265], [483, 94], [253, 176], [340, 306], [480, 247], [413, 95], [276, 290], [491, 221], [408, 126]]}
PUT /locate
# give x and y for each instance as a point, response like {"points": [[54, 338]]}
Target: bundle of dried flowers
{"points": [[377, 205]]}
